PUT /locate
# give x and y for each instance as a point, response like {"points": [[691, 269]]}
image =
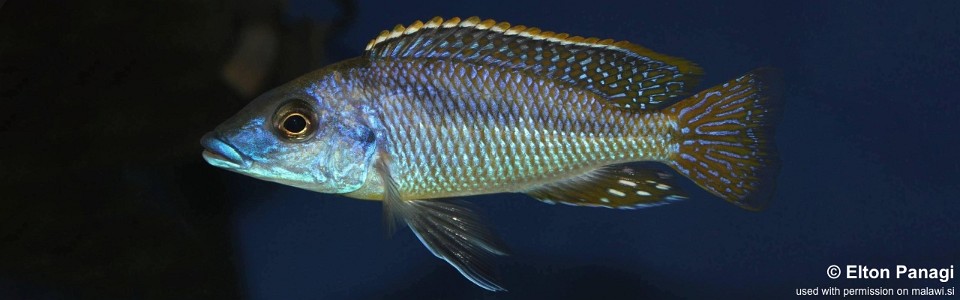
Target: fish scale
{"points": [[542, 132]]}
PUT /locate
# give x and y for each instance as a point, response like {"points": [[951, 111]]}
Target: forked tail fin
{"points": [[726, 139]]}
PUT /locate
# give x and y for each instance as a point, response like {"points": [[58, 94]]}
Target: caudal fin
{"points": [[726, 139]]}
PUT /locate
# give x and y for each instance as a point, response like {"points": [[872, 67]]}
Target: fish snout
{"points": [[219, 153]]}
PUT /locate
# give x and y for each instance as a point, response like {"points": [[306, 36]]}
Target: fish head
{"points": [[299, 134]]}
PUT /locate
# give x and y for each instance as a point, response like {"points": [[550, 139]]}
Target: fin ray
{"points": [[450, 229]]}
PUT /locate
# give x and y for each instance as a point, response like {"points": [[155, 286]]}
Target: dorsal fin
{"points": [[628, 75], [619, 186]]}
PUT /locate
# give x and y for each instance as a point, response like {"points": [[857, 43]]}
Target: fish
{"points": [[437, 111]]}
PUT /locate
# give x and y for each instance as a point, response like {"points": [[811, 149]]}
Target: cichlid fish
{"points": [[453, 108]]}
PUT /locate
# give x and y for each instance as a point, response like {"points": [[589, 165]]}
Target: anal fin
{"points": [[450, 229], [619, 186]]}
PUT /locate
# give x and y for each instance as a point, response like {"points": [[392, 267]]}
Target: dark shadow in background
{"points": [[103, 193]]}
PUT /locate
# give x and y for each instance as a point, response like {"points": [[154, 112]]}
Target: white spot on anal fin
{"points": [[604, 200], [627, 183], [663, 186], [616, 193], [643, 193]]}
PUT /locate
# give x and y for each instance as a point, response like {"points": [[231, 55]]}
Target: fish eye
{"points": [[295, 124], [295, 120]]}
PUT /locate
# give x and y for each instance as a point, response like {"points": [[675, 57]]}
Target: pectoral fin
{"points": [[450, 229]]}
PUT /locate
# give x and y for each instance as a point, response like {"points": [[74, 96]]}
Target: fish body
{"points": [[454, 108], [458, 129]]}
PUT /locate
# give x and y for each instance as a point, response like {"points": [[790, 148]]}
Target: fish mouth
{"points": [[220, 154]]}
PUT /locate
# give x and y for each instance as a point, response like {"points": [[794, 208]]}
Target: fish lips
{"points": [[221, 154]]}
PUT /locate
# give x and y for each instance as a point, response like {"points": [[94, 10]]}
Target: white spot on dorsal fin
{"points": [[413, 27], [531, 32], [397, 31], [501, 27], [627, 183], [643, 193], [433, 23], [663, 186], [486, 24], [451, 22], [470, 22], [514, 30]]}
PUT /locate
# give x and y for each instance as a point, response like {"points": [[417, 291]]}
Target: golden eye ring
{"points": [[295, 121], [295, 125]]}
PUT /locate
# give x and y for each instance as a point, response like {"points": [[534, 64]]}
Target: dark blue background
{"points": [[868, 142]]}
